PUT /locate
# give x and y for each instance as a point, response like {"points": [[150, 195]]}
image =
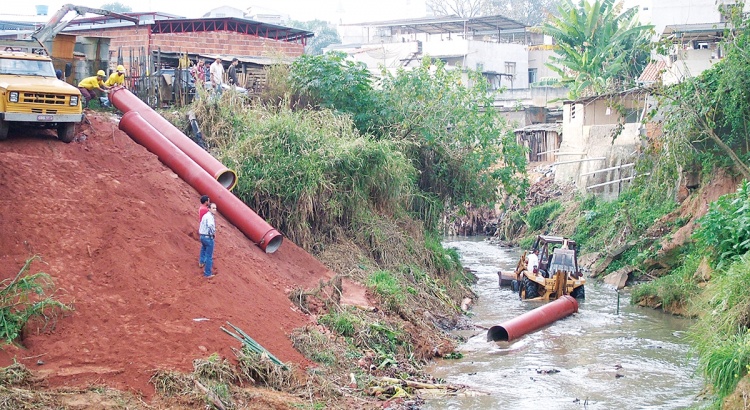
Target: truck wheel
{"points": [[579, 293], [4, 125], [66, 131], [529, 288]]}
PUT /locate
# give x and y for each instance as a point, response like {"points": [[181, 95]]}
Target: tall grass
{"points": [[676, 290], [539, 216], [310, 173], [721, 336]]}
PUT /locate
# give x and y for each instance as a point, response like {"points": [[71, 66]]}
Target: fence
{"points": [[164, 79]]}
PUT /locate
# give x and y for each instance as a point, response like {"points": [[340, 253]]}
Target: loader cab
{"points": [[547, 245]]}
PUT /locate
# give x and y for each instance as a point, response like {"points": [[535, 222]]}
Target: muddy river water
{"points": [[602, 357]]}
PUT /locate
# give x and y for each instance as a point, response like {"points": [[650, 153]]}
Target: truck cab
{"points": [[30, 93]]}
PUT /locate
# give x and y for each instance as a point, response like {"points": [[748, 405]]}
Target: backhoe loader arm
{"points": [[56, 23]]}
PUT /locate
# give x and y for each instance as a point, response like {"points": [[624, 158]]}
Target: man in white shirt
{"points": [[217, 75], [532, 261], [207, 232]]}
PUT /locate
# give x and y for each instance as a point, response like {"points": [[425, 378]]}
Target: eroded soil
{"points": [[117, 232]]}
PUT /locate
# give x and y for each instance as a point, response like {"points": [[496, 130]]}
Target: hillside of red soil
{"points": [[117, 232]]}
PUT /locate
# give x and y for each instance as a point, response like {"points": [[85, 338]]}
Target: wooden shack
{"points": [[542, 141]]}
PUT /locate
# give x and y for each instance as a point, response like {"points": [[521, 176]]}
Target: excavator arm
{"points": [[56, 24]]}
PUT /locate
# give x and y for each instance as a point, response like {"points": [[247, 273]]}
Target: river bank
{"points": [[604, 356]]}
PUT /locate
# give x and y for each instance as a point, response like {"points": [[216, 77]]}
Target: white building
{"points": [[496, 46]]}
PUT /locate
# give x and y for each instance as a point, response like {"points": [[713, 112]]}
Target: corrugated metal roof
{"points": [[450, 24], [167, 23], [556, 127]]}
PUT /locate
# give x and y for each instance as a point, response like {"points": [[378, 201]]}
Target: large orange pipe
{"points": [[236, 212], [126, 101], [533, 320]]}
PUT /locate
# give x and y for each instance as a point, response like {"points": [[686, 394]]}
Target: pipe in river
{"points": [[533, 320]]}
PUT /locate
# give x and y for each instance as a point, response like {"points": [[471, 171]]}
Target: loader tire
{"points": [[529, 288], [579, 293]]}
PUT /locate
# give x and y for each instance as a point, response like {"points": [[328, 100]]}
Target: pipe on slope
{"points": [[533, 320], [126, 101], [231, 207]]}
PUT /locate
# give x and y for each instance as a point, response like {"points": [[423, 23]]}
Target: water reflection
{"points": [[599, 358]]}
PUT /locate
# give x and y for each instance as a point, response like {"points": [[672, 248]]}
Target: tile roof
{"points": [[652, 72]]}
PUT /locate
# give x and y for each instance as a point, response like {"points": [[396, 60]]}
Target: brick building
{"points": [[165, 40], [229, 36]]}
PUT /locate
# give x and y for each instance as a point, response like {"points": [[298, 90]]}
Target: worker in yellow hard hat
{"points": [[117, 77], [89, 84]]}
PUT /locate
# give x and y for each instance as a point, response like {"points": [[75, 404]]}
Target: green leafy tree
{"points": [[460, 8], [332, 81], [325, 35], [116, 7], [530, 12], [443, 121], [600, 48], [450, 129]]}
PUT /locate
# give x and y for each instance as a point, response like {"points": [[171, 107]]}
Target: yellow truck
{"points": [[31, 93]]}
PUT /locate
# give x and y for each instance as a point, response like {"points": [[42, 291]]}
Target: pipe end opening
{"points": [[274, 244], [497, 334], [227, 179]]}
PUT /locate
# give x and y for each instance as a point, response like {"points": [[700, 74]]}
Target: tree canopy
{"points": [[116, 7], [325, 35], [460, 8], [531, 12], [600, 48], [443, 121]]}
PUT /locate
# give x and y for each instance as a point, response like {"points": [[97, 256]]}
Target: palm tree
{"points": [[599, 48]]}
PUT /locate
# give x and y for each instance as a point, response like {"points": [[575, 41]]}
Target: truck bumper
{"points": [[23, 117]]}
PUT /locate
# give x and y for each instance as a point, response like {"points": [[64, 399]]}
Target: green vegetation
{"points": [[25, 297], [540, 215], [325, 35], [675, 290], [359, 173], [601, 48], [388, 287], [629, 217], [721, 334], [725, 230]]}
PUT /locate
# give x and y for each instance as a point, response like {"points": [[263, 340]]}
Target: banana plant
{"points": [[599, 47]]}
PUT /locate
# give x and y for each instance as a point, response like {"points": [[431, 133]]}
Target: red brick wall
{"points": [[209, 42]]}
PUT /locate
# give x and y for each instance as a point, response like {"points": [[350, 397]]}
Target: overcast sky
{"points": [[346, 11]]}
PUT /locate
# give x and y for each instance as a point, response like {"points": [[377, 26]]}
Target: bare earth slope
{"points": [[117, 231]]}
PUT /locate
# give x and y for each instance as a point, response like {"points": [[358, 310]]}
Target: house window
{"points": [[632, 115], [510, 68], [532, 75]]}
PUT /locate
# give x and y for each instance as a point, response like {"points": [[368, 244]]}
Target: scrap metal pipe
{"points": [[231, 207], [126, 101], [533, 320]]}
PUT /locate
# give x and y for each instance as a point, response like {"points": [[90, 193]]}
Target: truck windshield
{"points": [[15, 66]]}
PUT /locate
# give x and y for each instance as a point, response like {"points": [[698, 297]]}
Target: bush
{"points": [[725, 230], [539, 216], [721, 334], [23, 298]]}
